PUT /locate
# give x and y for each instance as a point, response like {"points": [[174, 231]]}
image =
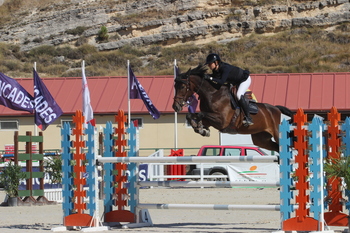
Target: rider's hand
{"points": [[207, 77]]}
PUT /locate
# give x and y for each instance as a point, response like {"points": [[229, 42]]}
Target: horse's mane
{"points": [[200, 70]]}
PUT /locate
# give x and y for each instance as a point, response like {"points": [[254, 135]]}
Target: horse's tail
{"points": [[286, 111]]}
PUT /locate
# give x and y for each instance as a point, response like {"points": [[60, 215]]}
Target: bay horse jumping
{"points": [[216, 110]]}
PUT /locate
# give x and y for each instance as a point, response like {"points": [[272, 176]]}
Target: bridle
{"points": [[181, 100]]}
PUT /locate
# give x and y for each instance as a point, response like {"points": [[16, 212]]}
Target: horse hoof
{"points": [[199, 131], [206, 133]]}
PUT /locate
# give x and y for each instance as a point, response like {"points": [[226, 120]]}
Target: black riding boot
{"points": [[244, 105]]}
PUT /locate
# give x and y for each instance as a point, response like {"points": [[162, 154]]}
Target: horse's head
{"points": [[186, 84], [183, 90]]}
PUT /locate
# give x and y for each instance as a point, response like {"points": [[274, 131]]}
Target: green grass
{"points": [[297, 50], [294, 51]]}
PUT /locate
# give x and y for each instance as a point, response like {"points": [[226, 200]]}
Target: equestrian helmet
{"points": [[212, 58]]}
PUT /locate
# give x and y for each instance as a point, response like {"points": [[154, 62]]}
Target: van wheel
{"points": [[217, 173]]}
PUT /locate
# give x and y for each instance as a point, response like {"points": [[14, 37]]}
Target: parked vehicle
{"points": [[241, 172]]}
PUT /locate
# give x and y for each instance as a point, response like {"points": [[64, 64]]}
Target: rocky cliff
{"points": [[166, 22]]}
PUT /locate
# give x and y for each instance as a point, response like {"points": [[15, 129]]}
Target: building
{"points": [[316, 93], [109, 95]]}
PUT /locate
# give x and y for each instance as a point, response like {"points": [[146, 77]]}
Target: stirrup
{"points": [[248, 122]]}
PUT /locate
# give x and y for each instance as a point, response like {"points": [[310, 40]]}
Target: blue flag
{"points": [[14, 96], [137, 92], [46, 108], [192, 104]]}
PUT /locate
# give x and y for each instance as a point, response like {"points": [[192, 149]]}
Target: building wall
{"points": [[160, 134], [154, 134]]}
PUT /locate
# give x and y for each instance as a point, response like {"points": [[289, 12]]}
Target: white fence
{"points": [[55, 194], [156, 170]]}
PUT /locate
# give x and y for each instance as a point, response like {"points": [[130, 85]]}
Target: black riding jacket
{"points": [[229, 74]]}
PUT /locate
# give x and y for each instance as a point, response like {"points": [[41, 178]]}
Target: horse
{"points": [[216, 110]]}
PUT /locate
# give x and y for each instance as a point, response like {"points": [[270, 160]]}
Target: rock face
{"points": [[165, 22]]}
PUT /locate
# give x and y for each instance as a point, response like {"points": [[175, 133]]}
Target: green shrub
{"points": [[27, 68], [12, 64], [76, 31], [10, 177], [337, 168], [102, 34], [134, 50], [86, 49], [8, 50], [54, 69], [72, 73], [53, 166], [63, 51], [81, 41], [97, 71], [38, 40], [154, 49], [109, 59], [42, 50], [3, 69]]}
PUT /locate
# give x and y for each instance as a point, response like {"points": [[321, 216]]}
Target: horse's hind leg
{"points": [[264, 140]]}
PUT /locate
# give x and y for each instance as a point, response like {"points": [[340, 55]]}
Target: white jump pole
{"points": [[190, 159], [205, 184], [210, 207]]}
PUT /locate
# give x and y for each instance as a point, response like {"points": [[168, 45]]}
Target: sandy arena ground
{"points": [[41, 219]]}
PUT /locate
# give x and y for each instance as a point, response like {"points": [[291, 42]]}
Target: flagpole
{"points": [[82, 94], [35, 127], [129, 114], [175, 113], [85, 124]]}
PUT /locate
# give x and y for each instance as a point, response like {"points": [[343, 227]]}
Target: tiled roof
{"points": [[310, 91], [107, 94]]}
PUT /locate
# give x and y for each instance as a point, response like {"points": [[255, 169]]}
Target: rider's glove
{"points": [[207, 77]]}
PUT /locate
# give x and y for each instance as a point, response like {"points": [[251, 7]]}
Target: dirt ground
{"points": [[42, 219]]}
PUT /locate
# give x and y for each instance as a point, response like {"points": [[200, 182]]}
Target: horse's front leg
{"points": [[192, 119], [195, 120], [203, 130]]}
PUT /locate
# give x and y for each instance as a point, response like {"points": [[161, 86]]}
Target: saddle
{"points": [[253, 108]]}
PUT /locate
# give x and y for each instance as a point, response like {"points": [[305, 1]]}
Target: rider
{"points": [[224, 73]]}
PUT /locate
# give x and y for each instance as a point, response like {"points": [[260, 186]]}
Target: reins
{"points": [[189, 100], [186, 81]]}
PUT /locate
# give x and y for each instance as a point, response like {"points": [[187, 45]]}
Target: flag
{"points": [[14, 96], [137, 92], [87, 109], [192, 104], [46, 108]]}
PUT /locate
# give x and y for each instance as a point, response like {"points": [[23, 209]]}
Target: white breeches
{"points": [[243, 87]]}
